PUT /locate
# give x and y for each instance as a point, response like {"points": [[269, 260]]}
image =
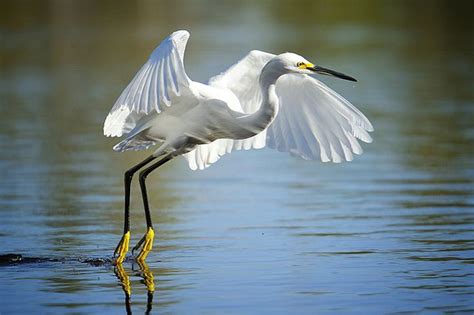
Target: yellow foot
{"points": [[122, 248], [147, 241]]}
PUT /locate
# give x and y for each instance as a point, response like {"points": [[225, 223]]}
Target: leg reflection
{"points": [[149, 282], [122, 275], [148, 279]]}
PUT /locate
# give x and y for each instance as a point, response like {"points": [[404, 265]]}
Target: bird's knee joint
{"points": [[143, 176], [128, 176]]}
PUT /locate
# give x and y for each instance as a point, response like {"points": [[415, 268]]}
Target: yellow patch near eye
{"points": [[303, 65]]}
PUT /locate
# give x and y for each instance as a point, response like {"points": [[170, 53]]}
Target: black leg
{"points": [[142, 178], [148, 237], [128, 181], [122, 246]]}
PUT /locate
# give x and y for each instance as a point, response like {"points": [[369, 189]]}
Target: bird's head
{"points": [[293, 63]]}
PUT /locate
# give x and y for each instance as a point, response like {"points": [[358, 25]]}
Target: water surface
{"points": [[259, 231]]}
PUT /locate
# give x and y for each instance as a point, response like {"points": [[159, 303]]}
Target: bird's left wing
{"points": [[153, 88]]}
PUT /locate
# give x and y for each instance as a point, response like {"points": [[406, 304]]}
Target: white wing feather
{"points": [[154, 86], [314, 122], [242, 79]]}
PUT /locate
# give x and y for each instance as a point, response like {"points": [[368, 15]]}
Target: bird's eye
{"points": [[299, 64]]}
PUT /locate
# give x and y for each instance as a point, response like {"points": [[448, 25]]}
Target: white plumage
{"points": [[245, 107]]}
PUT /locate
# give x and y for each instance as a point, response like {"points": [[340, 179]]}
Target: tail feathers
{"points": [[135, 144]]}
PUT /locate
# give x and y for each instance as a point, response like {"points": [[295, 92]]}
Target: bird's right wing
{"points": [[314, 122], [242, 79], [153, 88]]}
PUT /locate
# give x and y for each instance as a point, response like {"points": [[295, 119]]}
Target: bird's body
{"points": [[263, 100]]}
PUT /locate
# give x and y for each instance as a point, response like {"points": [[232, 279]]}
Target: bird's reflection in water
{"points": [[146, 274]]}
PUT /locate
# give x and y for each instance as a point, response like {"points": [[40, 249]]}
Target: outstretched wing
{"points": [[153, 88], [242, 79], [314, 122]]}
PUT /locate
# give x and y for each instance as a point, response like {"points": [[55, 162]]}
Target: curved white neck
{"points": [[263, 117], [269, 107]]}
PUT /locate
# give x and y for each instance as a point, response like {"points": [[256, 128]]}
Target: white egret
{"points": [[262, 100]]}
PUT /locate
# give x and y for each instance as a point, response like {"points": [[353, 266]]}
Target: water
{"points": [[260, 231]]}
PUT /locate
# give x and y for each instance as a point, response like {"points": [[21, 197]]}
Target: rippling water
{"points": [[260, 231]]}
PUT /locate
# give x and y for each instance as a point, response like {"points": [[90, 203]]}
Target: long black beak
{"points": [[336, 74]]}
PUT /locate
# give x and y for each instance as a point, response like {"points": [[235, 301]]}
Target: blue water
{"points": [[259, 231]]}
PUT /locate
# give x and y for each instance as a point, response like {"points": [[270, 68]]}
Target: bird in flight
{"points": [[262, 100]]}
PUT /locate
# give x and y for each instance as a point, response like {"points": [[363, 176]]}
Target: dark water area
{"points": [[260, 232]]}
